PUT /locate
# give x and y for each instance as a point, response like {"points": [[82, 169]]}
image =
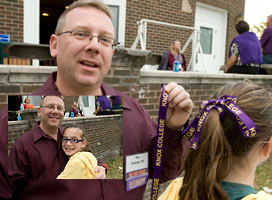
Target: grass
{"points": [[263, 173], [264, 176], [115, 168]]}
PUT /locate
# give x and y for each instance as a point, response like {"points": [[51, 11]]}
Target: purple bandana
{"points": [[159, 144], [245, 124]]}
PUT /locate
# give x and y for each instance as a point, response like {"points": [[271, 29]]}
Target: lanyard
{"points": [[159, 144]]}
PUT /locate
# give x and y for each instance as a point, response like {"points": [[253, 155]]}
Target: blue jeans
{"points": [[267, 59]]}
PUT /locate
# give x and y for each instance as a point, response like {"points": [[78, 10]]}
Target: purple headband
{"points": [[245, 124]]}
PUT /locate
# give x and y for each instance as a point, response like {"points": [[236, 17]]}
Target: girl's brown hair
{"points": [[221, 142]]}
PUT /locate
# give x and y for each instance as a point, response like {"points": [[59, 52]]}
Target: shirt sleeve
{"points": [[80, 166], [234, 50], [5, 188], [175, 151], [18, 165], [265, 37], [170, 61], [72, 170]]}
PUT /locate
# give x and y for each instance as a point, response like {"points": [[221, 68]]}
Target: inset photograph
{"points": [[65, 137]]}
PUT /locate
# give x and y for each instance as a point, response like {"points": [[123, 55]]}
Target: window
{"points": [[115, 20], [119, 20], [206, 36]]}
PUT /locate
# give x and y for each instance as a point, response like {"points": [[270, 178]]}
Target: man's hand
{"points": [[179, 107], [101, 172]]}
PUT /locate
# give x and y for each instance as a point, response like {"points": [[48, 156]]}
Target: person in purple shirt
{"points": [[103, 106], [245, 54], [266, 42], [116, 102], [83, 45]]}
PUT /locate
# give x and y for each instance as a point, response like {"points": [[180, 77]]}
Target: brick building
{"points": [[24, 22]]}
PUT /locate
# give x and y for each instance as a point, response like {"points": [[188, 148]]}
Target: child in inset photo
{"points": [[81, 165]]}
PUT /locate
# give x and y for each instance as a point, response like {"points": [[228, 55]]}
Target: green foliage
{"points": [[115, 168], [259, 29], [264, 176]]}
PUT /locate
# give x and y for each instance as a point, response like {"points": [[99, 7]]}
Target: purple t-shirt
{"points": [[104, 102], [139, 132], [266, 41], [116, 100]]}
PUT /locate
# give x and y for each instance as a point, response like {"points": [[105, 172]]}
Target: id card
{"points": [[136, 170]]}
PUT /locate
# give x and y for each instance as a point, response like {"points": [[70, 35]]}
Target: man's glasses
{"points": [[52, 107], [72, 140], [85, 37]]}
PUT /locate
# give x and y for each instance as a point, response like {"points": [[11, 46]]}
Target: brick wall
{"points": [[103, 133], [12, 19], [159, 37], [125, 76], [199, 88]]}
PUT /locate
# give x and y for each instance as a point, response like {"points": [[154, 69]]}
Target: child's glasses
{"points": [[72, 140]]}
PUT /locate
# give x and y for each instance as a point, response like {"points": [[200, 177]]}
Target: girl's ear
{"points": [[84, 144], [267, 148]]}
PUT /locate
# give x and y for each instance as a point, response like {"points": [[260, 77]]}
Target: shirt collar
{"points": [[38, 133]]}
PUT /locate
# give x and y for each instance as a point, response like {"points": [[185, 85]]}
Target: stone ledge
{"points": [[268, 68], [158, 77], [130, 58], [25, 74], [26, 69]]}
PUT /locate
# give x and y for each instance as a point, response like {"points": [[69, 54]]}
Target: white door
{"points": [[211, 22], [87, 105]]}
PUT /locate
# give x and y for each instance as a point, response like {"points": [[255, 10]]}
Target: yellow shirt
{"points": [[80, 166], [172, 192], [259, 196]]}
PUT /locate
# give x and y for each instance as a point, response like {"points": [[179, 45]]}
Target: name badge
{"points": [[136, 170]]}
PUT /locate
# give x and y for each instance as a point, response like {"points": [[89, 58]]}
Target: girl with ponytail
{"points": [[231, 136]]}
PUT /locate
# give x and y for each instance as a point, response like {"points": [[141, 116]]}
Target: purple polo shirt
{"points": [[266, 41], [139, 132], [104, 102], [116, 100]]}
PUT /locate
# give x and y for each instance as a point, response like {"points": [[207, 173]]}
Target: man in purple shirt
{"points": [[116, 102], [103, 106], [266, 42], [83, 45], [245, 54]]}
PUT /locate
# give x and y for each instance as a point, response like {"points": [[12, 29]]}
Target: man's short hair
{"points": [[82, 3], [242, 27], [42, 100]]}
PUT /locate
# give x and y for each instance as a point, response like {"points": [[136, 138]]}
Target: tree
{"points": [[259, 29]]}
